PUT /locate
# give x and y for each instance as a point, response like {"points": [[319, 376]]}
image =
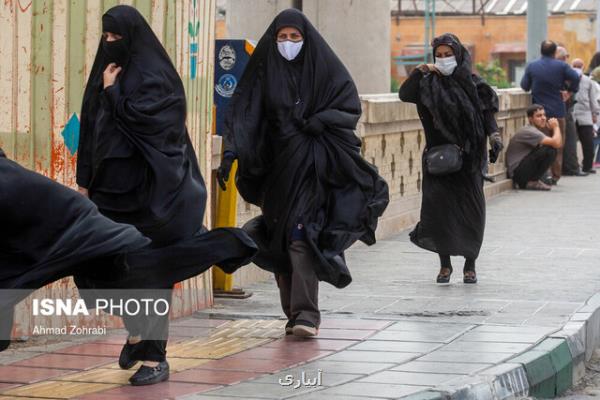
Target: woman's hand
{"points": [[425, 68], [110, 74]]}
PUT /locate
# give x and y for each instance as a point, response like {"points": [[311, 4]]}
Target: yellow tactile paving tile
{"points": [[117, 376], [26, 398], [229, 338], [59, 390]]}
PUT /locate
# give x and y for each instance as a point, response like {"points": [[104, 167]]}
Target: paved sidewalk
{"points": [[391, 333]]}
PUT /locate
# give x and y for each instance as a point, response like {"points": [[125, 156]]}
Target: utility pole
{"points": [[537, 27], [597, 25]]}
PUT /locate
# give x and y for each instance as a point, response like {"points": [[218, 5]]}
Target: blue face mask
{"points": [[446, 65]]}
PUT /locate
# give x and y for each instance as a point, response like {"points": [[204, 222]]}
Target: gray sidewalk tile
{"points": [[372, 356], [515, 329], [487, 347], [409, 378], [261, 390], [377, 390], [470, 357], [428, 327], [434, 336], [322, 396], [345, 367], [433, 367], [328, 378], [409, 347], [502, 337]]}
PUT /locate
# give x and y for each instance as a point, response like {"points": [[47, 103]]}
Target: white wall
{"points": [[357, 30]]}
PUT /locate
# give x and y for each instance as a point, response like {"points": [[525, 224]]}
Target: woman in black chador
{"points": [[136, 161], [456, 107], [291, 126], [49, 232]]}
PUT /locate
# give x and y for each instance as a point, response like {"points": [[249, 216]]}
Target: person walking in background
{"points": [[457, 111], [570, 165], [548, 78], [585, 113], [594, 63], [595, 77], [291, 126], [530, 152]]}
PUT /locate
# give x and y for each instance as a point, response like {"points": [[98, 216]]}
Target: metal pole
{"points": [[426, 43], [537, 27], [597, 25]]}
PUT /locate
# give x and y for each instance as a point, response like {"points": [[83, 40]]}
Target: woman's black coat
{"points": [[457, 109]]}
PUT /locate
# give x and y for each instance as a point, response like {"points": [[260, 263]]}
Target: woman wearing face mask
{"points": [[137, 164], [290, 125], [457, 111]]}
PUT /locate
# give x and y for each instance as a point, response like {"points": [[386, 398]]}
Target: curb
{"points": [[546, 370]]}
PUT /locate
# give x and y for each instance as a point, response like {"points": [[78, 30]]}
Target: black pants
{"points": [[586, 137], [570, 164], [299, 291], [153, 329], [534, 165]]}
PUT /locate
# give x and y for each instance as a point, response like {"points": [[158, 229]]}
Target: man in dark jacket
{"points": [[547, 78]]}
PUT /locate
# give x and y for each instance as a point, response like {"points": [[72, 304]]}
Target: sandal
{"points": [[444, 278], [469, 277]]}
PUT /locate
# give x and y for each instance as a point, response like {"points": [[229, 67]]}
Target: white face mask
{"points": [[446, 65], [579, 71], [289, 50]]}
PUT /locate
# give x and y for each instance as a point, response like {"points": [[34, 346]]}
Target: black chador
{"points": [[455, 109], [135, 158], [49, 232], [291, 125]]}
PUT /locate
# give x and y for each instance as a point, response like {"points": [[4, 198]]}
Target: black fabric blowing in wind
{"points": [[322, 182], [49, 232]]}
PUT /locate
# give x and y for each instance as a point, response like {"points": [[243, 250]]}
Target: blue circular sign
{"points": [[226, 85]]}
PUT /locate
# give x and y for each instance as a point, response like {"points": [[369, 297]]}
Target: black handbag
{"points": [[443, 159]]}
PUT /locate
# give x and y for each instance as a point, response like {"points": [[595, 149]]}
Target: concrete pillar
{"points": [[597, 25], [357, 30], [249, 19], [537, 27]]}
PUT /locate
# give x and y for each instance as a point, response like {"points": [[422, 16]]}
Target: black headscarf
{"points": [[135, 155], [294, 177], [457, 102]]}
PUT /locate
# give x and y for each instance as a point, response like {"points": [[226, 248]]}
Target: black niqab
{"points": [[135, 155], [294, 177]]}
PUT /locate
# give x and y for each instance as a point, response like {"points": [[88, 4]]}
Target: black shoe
{"points": [[590, 171], [126, 359], [548, 180], [444, 278], [576, 173], [469, 277], [289, 327], [305, 329], [150, 375]]}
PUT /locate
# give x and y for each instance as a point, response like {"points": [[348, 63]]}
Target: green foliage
{"points": [[493, 74], [395, 86]]}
